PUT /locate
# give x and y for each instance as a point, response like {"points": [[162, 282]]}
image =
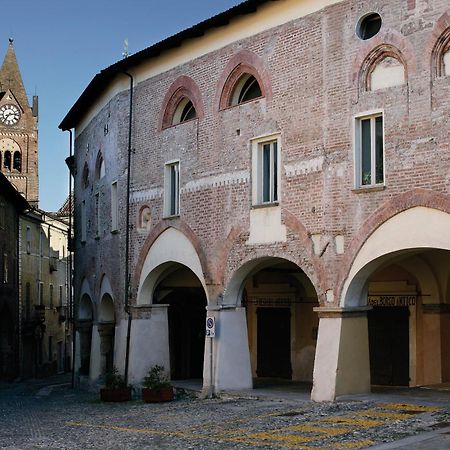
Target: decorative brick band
{"points": [[304, 167], [338, 313]]}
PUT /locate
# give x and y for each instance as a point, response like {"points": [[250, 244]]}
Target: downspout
{"points": [[69, 255], [127, 232]]}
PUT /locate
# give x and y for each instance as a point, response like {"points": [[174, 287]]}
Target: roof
{"points": [[9, 191], [100, 82]]}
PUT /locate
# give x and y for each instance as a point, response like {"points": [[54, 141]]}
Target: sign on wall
{"points": [[210, 327], [392, 300]]}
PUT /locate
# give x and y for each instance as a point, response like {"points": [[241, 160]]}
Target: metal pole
{"points": [[127, 232]]}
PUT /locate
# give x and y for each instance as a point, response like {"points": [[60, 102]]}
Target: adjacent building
{"points": [[289, 179], [35, 335]]}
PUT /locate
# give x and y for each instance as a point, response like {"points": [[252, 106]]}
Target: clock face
{"points": [[9, 114]]}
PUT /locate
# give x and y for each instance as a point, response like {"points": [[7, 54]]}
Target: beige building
{"points": [[44, 289]]}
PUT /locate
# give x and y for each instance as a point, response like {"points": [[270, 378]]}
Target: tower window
{"points": [[7, 161], [172, 189], [17, 161]]}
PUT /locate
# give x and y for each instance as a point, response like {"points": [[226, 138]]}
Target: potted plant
{"points": [[115, 390], [156, 386]]}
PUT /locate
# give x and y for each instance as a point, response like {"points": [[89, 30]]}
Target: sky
{"points": [[61, 44]]}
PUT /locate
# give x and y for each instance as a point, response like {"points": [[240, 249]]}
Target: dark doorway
{"points": [[187, 315], [274, 343], [389, 346]]}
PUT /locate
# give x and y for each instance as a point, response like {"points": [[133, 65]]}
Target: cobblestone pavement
{"points": [[35, 415]]}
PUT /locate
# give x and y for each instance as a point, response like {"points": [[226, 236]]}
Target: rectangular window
{"points": [[51, 296], [27, 301], [41, 243], [172, 189], [41, 293], [265, 170], [28, 238], [61, 299], [369, 150], [97, 214], [50, 348], [5, 268], [83, 221], [114, 207]]}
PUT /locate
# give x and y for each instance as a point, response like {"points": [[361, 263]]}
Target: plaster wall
{"points": [[149, 344]]}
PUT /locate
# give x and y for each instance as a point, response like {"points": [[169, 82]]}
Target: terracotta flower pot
{"points": [[115, 395], [157, 395]]}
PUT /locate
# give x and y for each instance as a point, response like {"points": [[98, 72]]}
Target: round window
{"points": [[368, 26]]}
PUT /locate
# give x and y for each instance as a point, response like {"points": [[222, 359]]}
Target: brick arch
{"points": [[305, 258], [411, 199], [386, 43], [156, 231], [182, 87], [438, 43], [241, 63]]}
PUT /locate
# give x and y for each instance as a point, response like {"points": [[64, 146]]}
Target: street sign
{"points": [[210, 327]]}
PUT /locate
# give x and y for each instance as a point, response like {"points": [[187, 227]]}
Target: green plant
{"points": [[114, 380], [156, 379]]}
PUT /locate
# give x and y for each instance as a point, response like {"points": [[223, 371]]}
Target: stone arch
{"points": [[439, 44], [244, 62], [415, 228], [85, 308], [106, 306], [183, 87], [232, 295], [85, 299], [167, 247], [388, 43]]}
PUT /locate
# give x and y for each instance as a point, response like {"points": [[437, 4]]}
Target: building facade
{"points": [[12, 204], [289, 180], [44, 288]]}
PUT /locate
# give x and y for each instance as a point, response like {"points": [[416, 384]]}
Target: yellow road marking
{"points": [[307, 428], [363, 423], [409, 407]]}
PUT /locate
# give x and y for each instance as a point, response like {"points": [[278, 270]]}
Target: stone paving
{"points": [[53, 416]]}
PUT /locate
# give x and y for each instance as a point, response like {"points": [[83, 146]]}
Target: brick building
{"points": [[289, 178]]}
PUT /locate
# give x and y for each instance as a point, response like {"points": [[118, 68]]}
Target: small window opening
{"points": [[17, 161], [86, 176], [7, 161], [247, 88], [368, 26]]}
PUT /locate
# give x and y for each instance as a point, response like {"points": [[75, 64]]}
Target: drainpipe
{"points": [[71, 309], [127, 232]]}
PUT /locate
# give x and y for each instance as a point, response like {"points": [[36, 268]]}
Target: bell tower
{"points": [[18, 130]]}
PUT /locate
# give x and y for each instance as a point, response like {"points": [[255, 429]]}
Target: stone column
{"points": [[95, 366], [231, 368], [342, 354], [149, 341]]}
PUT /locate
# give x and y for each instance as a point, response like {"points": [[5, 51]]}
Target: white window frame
{"points": [[172, 199], [114, 207], [257, 148], [357, 132]]}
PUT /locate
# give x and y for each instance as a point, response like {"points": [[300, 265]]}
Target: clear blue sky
{"points": [[61, 44]]}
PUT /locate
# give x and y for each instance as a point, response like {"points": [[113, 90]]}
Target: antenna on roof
{"points": [[125, 53]]}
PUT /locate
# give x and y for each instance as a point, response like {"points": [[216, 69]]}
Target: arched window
{"points": [[247, 88], [182, 103], [85, 178], [7, 160], [185, 111], [100, 166], [17, 161]]}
